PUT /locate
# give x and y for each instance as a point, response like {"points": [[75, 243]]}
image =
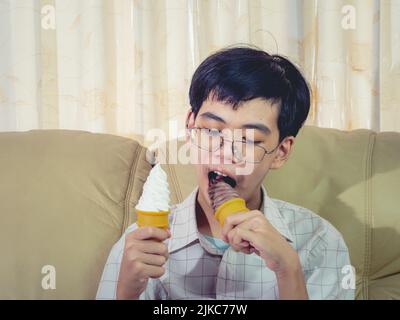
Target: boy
{"points": [[276, 250]]}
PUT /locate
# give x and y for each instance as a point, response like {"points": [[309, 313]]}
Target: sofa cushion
{"points": [[65, 199]]}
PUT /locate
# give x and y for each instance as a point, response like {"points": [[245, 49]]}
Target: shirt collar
{"points": [[184, 226], [275, 217]]}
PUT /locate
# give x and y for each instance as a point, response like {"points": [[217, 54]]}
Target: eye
{"points": [[250, 141], [212, 132]]}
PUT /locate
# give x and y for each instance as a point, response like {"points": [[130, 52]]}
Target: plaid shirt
{"points": [[198, 270]]}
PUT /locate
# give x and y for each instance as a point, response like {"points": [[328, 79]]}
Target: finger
{"points": [[232, 240], [153, 259], [248, 250], [244, 244], [254, 250], [250, 236], [245, 224], [239, 234], [153, 271], [145, 233], [236, 241], [152, 247], [236, 219], [245, 247]]}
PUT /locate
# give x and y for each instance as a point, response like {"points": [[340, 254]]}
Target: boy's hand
{"points": [[250, 232], [144, 257]]}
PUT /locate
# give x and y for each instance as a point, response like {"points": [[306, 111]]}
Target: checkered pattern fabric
{"points": [[197, 270]]}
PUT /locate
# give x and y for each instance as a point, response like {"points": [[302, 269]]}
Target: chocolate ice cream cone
{"points": [[225, 200], [229, 207]]}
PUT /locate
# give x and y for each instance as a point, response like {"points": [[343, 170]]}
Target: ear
{"points": [[190, 118], [283, 152]]}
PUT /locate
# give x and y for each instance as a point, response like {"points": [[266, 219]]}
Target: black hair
{"points": [[241, 73]]}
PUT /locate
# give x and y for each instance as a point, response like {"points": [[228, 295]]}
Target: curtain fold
{"points": [[124, 66]]}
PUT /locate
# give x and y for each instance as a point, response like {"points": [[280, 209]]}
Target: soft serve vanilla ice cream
{"points": [[156, 195]]}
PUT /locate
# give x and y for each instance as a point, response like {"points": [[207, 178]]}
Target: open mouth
{"points": [[215, 176]]}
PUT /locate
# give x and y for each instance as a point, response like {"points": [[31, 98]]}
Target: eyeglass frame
{"points": [[232, 141]]}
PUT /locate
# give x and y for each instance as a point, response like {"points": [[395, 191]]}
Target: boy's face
{"points": [[255, 117]]}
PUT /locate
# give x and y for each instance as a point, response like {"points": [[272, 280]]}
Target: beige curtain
{"points": [[124, 66]]}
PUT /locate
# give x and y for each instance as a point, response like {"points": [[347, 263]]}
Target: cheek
{"points": [[257, 175], [265, 166]]}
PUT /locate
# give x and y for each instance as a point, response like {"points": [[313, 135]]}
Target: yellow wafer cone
{"points": [[157, 219], [229, 207]]}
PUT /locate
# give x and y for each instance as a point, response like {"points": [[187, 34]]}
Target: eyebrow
{"points": [[258, 126], [213, 116]]}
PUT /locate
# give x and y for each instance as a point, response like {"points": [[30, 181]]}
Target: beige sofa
{"points": [[67, 196]]}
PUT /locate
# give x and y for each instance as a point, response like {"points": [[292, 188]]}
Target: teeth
{"points": [[220, 173]]}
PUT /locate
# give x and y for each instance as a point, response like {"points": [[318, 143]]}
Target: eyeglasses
{"points": [[212, 140]]}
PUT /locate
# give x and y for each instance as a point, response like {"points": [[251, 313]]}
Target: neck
{"points": [[255, 202], [206, 222]]}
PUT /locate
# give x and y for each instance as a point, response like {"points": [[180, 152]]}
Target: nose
{"points": [[224, 155]]}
